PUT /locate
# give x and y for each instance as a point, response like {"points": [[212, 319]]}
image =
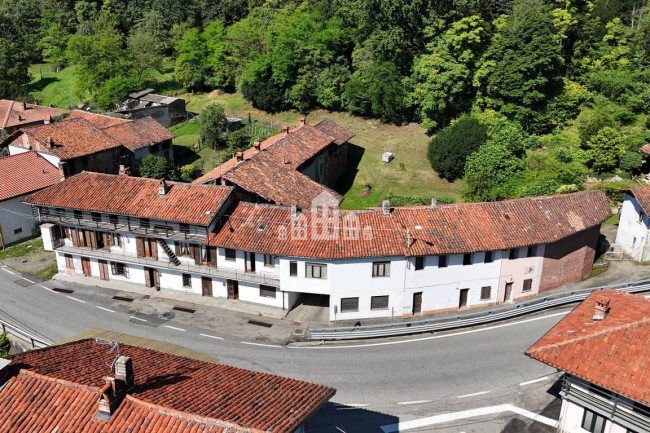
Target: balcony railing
{"points": [[164, 263]]}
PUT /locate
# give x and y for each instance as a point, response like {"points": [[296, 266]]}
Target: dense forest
{"points": [[525, 96]]}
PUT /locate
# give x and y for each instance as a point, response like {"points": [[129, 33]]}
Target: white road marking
{"points": [[174, 328], [474, 394], [105, 309], [530, 382], [355, 405], [471, 413], [27, 279], [415, 340], [211, 336], [75, 299], [263, 345], [406, 403], [137, 318], [7, 270], [46, 288]]}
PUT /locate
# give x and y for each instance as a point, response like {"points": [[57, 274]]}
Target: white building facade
{"points": [[633, 226]]}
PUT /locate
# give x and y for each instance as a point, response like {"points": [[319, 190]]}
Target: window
{"points": [[379, 302], [315, 270], [293, 269], [120, 269], [532, 251], [528, 285], [112, 219], [592, 422], [185, 249], [78, 214], [231, 254], [59, 212], [116, 240], [349, 305], [187, 280], [45, 211], [419, 263], [18, 231], [69, 263], [486, 292], [144, 222], [269, 260], [381, 269], [267, 291], [488, 257], [442, 261], [640, 216], [467, 259], [514, 253], [184, 228], [96, 217]]}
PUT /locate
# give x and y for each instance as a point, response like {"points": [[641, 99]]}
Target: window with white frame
{"points": [[293, 269], [381, 269], [267, 291], [592, 422], [269, 260], [315, 270]]}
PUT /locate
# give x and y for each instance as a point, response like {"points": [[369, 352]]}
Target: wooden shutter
{"points": [[107, 241], [113, 268], [177, 248], [139, 246], [196, 253], [91, 239], [147, 277], [154, 248], [75, 237]]}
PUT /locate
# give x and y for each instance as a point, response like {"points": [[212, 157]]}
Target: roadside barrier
{"points": [[36, 342], [467, 319]]}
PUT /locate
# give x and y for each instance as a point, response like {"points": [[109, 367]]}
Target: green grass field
{"points": [[53, 88]]}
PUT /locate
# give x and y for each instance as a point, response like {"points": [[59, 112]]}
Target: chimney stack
{"points": [[124, 170], [434, 202], [303, 121], [47, 120], [285, 130], [124, 372], [49, 143], [23, 105], [294, 211], [257, 146], [162, 187], [20, 118], [62, 170], [385, 207], [239, 156], [601, 308]]}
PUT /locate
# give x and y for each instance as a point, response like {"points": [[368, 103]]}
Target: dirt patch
{"points": [[31, 263]]}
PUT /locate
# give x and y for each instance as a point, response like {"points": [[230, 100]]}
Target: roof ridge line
{"points": [[67, 383], [6, 119], [645, 320]]}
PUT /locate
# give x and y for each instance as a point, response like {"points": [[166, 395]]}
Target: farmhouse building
{"points": [[292, 167], [634, 224], [602, 347], [15, 115], [375, 263], [166, 110], [85, 387]]}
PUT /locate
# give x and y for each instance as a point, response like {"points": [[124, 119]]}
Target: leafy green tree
{"points": [[631, 162], [488, 170], [213, 125], [54, 44], [189, 68], [146, 53], [189, 172], [236, 141], [114, 90], [449, 149], [154, 167], [376, 89], [5, 345], [604, 150], [258, 86]]}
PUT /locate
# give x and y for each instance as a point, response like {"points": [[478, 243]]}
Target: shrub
{"points": [[631, 162], [154, 167], [5, 344]]}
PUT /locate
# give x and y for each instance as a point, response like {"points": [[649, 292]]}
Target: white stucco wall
{"points": [[632, 234], [16, 216], [571, 420], [518, 270]]}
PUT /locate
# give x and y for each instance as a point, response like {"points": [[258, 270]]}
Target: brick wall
{"points": [[569, 259]]}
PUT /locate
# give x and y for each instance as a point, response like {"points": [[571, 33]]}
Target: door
{"points": [[85, 266], [508, 292], [417, 303], [250, 262], [233, 289], [103, 270], [206, 286], [462, 302], [150, 277]]}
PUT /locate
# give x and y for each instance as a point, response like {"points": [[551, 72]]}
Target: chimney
{"points": [[294, 211], [162, 187], [23, 105], [285, 130], [124, 372], [239, 156], [47, 120], [303, 121], [110, 398], [124, 170], [62, 170], [20, 118], [257, 146], [385, 207], [434, 202], [49, 143], [601, 308], [284, 160]]}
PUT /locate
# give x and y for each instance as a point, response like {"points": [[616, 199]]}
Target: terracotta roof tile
{"points": [[100, 121], [333, 129], [139, 133], [169, 384], [24, 173], [642, 196], [135, 196], [613, 353], [11, 110], [445, 229]]}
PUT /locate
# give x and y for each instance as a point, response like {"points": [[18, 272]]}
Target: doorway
{"points": [[464, 294], [233, 289], [417, 303], [151, 278], [206, 286], [103, 270], [250, 261], [508, 292], [85, 266]]}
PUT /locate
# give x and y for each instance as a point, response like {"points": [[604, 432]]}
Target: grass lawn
{"points": [[22, 249], [53, 88]]}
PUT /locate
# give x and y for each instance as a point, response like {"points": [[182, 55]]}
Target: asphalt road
{"points": [[379, 382]]}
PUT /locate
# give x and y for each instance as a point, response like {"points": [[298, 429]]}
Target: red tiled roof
{"points": [[613, 353], [166, 387], [642, 196], [71, 139], [444, 229], [24, 173], [10, 110], [139, 133], [101, 121], [333, 129], [135, 196]]}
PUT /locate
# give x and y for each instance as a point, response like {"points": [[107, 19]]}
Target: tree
{"points": [[213, 125], [488, 170], [154, 167], [5, 345], [376, 89], [146, 51], [189, 68], [115, 89], [14, 60], [258, 87], [54, 44], [604, 150], [449, 149], [189, 172]]}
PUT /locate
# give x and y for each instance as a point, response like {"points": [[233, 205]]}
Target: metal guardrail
{"points": [[467, 320], [36, 342]]}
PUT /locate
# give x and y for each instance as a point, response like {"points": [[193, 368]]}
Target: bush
{"points": [[213, 125], [154, 167], [189, 172], [449, 150], [5, 344], [631, 162]]}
